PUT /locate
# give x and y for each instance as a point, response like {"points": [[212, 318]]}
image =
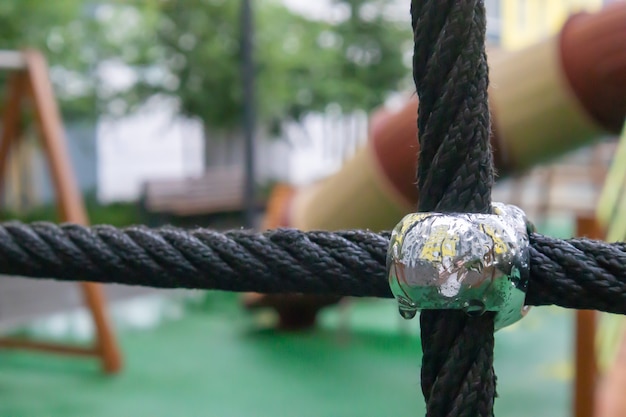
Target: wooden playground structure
{"points": [[29, 88], [591, 186], [596, 213]]}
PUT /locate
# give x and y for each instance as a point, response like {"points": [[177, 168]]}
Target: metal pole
{"points": [[249, 109]]}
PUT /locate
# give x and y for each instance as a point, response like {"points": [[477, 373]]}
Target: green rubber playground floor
{"points": [[209, 358]]}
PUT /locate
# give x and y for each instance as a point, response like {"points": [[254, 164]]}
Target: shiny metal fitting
{"points": [[472, 262]]}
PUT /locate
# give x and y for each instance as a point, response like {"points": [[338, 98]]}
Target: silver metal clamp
{"points": [[471, 262]]}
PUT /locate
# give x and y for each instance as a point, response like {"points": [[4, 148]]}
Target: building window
{"points": [[494, 19], [493, 8]]}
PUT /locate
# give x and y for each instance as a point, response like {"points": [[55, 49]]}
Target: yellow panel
{"points": [[542, 18], [611, 213], [612, 203], [617, 228]]}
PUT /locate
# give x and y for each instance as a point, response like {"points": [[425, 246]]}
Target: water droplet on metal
{"points": [[474, 308], [407, 313], [471, 262]]}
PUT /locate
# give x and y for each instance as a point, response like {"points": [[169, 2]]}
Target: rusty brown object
{"points": [[278, 207], [586, 375], [396, 148], [295, 312], [32, 82], [593, 51]]}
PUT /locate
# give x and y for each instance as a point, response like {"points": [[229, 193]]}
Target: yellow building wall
{"points": [[527, 21]]}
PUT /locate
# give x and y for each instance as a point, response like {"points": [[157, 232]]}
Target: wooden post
{"points": [[32, 80], [11, 120], [586, 327]]}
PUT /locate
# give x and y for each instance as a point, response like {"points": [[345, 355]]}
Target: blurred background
{"points": [[167, 121]]}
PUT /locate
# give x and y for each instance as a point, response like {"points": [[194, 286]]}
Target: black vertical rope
{"points": [[455, 174]]}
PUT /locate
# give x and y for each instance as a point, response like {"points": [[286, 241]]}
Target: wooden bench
{"points": [[219, 190]]}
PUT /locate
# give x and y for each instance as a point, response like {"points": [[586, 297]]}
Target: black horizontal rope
{"points": [[574, 273]]}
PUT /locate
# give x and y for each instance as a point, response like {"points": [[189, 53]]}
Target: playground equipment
{"points": [[540, 90], [546, 100], [218, 191], [29, 84], [455, 175], [606, 223]]}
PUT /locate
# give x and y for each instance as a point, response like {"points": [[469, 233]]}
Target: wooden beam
{"points": [[19, 343], [11, 120], [32, 79], [48, 117], [586, 367]]}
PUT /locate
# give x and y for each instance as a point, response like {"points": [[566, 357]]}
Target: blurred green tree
{"points": [[190, 51], [302, 64], [28, 22], [32, 23], [369, 62], [78, 37]]}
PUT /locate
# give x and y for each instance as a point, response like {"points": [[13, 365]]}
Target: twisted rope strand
{"points": [[455, 173], [277, 261], [575, 273]]}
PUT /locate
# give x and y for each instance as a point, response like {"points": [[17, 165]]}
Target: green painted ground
{"points": [[211, 359]]}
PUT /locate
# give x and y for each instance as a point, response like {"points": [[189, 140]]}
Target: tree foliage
{"points": [[32, 23], [79, 38], [189, 50], [369, 56], [302, 64]]}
